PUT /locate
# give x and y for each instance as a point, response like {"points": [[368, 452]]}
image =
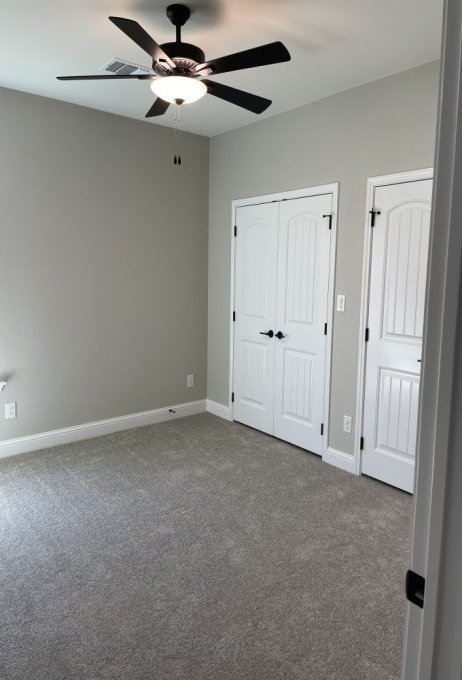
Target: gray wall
{"points": [[383, 127], [103, 273]]}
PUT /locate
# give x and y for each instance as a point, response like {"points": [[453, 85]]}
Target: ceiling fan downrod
{"points": [[178, 15]]}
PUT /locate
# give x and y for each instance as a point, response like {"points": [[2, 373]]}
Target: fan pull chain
{"points": [[177, 134]]}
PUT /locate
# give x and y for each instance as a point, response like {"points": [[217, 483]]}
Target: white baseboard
{"points": [[340, 459], [67, 435], [219, 410]]}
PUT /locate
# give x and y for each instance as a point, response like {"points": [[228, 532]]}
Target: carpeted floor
{"points": [[201, 550]]}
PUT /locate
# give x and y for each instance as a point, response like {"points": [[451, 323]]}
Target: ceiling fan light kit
{"points": [[178, 89], [179, 68]]}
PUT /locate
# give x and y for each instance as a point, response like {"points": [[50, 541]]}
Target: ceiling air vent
{"points": [[120, 67]]}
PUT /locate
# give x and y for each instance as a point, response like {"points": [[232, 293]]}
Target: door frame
{"points": [[432, 643], [372, 184], [287, 196]]}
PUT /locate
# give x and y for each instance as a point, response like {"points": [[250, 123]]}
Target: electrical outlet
{"points": [[347, 424], [190, 380], [10, 410], [340, 303]]}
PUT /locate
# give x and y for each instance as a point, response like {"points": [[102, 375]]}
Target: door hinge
{"points": [[330, 216], [234, 316], [322, 429], [235, 230], [373, 214], [325, 329], [361, 444], [366, 335], [415, 588], [232, 397]]}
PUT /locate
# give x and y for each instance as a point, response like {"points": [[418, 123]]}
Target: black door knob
{"points": [[268, 333], [280, 335]]}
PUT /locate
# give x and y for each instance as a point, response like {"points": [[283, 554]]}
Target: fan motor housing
{"points": [[185, 51]]}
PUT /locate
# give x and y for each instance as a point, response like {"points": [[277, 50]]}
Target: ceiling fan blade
{"points": [[273, 53], [144, 76], [158, 108], [251, 102], [143, 39]]}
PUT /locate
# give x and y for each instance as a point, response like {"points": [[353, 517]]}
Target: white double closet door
{"points": [[281, 306], [396, 313]]}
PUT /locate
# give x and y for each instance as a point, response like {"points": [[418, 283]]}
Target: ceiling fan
{"points": [[179, 68]]}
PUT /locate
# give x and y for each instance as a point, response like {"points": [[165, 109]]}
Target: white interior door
{"points": [[255, 308], [302, 310], [395, 321]]}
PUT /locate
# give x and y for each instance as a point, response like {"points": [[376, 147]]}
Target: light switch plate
{"points": [[340, 303], [190, 380]]}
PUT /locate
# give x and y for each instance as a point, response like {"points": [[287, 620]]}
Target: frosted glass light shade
{"points": [[178, 89]]}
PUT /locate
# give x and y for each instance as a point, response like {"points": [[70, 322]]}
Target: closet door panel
{"points": [[302, 301], [399, 258], [255, 308]]}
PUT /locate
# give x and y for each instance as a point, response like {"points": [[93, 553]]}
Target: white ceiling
{"points": [[335, 45]]}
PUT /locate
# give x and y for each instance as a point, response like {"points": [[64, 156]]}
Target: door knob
{"points": [[269, 333], [280, 335]]}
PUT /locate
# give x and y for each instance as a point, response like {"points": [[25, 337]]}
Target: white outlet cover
{"points": [[347, 421], [340, 303], [10, 410], [190, 380]]}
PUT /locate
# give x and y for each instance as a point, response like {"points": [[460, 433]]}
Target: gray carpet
{"points": [[201, 550]]}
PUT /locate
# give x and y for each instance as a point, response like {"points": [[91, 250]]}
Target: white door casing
{"points": [[302, 312], [255, 304], [395, 323], [432, 648]]}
